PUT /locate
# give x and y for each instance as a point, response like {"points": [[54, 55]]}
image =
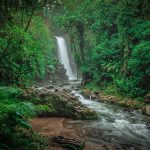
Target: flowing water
{"points": [[114, 125], [64, 58]]}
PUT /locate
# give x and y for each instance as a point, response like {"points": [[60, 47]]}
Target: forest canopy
{"points": [[110, 43], [26, 43], [26, 53]]}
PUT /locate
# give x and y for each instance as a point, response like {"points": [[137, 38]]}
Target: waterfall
{"points": [[64, 58]]}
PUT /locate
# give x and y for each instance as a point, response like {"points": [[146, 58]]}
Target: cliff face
{"points": [[57, 77]]}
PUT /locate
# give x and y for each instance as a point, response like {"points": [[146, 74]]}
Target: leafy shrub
{"points": [[128, 87], [7, 92], [15, 131], [120, 51], [25, 55]]}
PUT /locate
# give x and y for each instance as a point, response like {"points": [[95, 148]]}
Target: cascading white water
{"points": [[64, 57], [117, 126], [114, 125]]}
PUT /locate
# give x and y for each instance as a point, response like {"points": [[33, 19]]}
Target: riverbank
{"points": [[55, 102], [64, 127], [102, 134], [128, 104]]}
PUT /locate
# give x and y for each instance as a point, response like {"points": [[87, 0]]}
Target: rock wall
{"points": [[59, 76]]}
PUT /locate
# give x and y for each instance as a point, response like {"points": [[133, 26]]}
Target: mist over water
{"points": [[64, 58]]}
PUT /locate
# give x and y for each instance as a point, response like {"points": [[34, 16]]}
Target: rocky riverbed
{"points": [[113, 129], [128, 104], [77, 130], [58, 102]]}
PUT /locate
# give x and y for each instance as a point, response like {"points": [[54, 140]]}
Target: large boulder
{"points": [[86, 93], [60, 103]]}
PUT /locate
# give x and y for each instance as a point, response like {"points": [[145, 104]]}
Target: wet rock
{"points": [[111, 147], [35, 86], [86, 93], [67, 90], [73, 87], [147, 125], [77, 96], [94, 95], [56, 90], [65, 83], [78, 86], [107, 98], [61, 85], [50, 87], [72, 94], [148, 110], [93, 146], [60, 103], [147, 98], [132, 148]]}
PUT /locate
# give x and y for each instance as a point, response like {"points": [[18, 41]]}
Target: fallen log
{"points": [[67, 142]]}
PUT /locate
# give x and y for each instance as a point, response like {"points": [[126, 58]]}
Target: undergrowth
{"points": [[15, 131]]}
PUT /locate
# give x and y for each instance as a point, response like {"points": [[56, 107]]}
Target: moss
{"points": [[86, 92], [87, 115], [60, 104]]}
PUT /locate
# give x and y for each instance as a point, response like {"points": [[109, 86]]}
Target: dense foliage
{"points": [[111, 41], [15, 131], [26, 53], [26, 46]]}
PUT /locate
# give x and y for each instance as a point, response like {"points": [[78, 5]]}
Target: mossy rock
{"points": [[86, 93], [87, 114], [61, 104]]}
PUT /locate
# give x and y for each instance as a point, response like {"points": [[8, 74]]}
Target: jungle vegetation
{"points": [[26, 53], [110, 42], [110, 39]]}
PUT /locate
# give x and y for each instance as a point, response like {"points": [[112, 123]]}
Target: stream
{"points": [[126, 129], [114, 125]]}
